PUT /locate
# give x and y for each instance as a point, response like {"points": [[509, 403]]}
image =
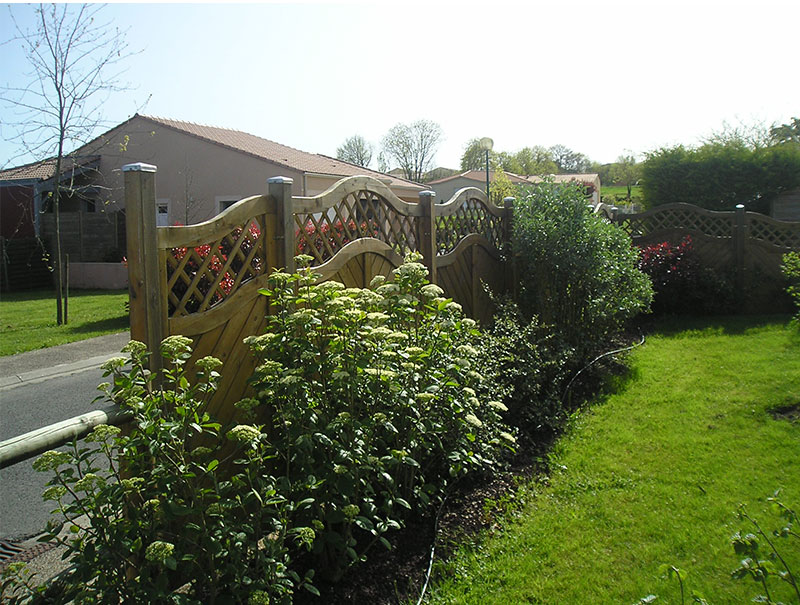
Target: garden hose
{"points": [[596, 359]]}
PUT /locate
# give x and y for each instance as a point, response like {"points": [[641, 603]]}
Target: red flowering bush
{"points": [[680, 283]]}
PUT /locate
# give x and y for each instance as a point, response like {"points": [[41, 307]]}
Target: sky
{"points": [[602, 78]]}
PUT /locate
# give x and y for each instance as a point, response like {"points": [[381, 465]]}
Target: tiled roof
{"points": [[44, 169], [277, 153]]}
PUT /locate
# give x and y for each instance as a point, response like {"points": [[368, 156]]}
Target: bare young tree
{"points": [[413, 146], [356, 150], [74, 62]]}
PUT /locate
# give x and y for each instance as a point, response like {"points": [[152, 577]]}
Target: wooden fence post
{"points": [[280, 189], [739, 242], [147, 301], [508, 253], [427, 232]]}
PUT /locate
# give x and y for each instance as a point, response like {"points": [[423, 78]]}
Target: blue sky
{"points": [[601, 78]]}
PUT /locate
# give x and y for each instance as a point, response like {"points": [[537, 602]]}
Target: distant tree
{"points": [[568, 161], [625, 171], [785, 133], [74, 62], [356, 150], [474, 158], [748, 136], [536, 160], [412, 146]]}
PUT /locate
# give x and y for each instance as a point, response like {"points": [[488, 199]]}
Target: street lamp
{"points": [[486, 144]]}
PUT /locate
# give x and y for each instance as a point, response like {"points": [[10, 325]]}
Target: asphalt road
{"points": [[37, 389]]}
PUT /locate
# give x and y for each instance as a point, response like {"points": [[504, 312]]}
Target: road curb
{"points": [[64, 369]]}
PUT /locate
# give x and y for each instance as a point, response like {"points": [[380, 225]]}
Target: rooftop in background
{"points": [[43, 170]]}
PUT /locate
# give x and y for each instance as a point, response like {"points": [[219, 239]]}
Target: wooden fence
{"points": [[746, 245], [202, 280]]}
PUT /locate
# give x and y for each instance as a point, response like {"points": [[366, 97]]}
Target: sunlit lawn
{"points": [[28, 319], [653, 475]]}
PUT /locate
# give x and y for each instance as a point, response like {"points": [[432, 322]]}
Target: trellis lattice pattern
{"points": [[472, 217], [678, 218], [202, 276], [359, 215], [783, 236]]}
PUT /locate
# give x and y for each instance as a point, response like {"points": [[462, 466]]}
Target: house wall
{"points": [[444, 191], [188, 167]]}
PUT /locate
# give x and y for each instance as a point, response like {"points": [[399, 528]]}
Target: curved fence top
{"points": [[354, 208], [468, 212]]}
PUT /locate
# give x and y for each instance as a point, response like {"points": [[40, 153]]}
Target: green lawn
{"points": [[653, 475], [28, 319], [613, 194]]}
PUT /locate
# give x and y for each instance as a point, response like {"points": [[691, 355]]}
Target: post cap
{"points": [[139, 167], [740, 206], [427, 193], [282, 180]]}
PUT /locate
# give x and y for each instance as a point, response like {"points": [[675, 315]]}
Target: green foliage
{"points": [[578, 271], [376, 403], [720, 176], [151, 509], [762, 560], [791, 271], [530, 364]]}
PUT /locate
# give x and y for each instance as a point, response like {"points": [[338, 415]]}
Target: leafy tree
{"points": [[356, 150], [74, 61], [625, 171], [748, 136], [412, 146], [568, 161], [786, 133], [474, 158], [536, 160]]}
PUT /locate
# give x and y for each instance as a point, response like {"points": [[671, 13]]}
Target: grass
{"points": [[653, 475], [614, 194], [28, 319]]}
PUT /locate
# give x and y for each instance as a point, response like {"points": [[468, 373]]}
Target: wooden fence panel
{"points": [[746, 245], [209, 274], [471, 233]]}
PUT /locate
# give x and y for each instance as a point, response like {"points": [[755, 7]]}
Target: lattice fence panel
{"points": [[785, 235], [472, 217], [358, 215], [202, 276], [638, 225]]}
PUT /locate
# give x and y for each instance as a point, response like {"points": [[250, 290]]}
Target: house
{"points": [[202, 170], [446, 187]]}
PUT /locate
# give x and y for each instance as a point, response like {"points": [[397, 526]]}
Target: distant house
{"points": [[446, 187], [201, 171]]}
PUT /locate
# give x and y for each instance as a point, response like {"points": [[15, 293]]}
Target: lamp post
{"points": [[486, 144]]}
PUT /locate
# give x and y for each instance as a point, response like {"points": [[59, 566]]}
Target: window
{"points": [[226, 201], [162, 213]]}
